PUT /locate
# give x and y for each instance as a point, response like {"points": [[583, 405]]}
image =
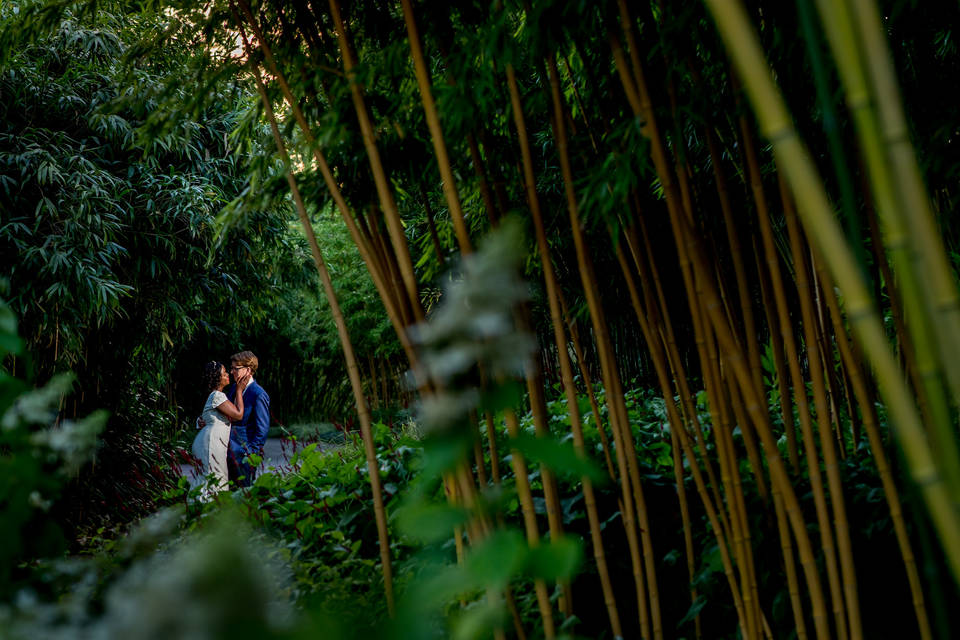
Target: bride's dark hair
{"points": [[211, 375]]}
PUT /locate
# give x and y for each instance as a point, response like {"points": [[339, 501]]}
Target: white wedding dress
{"points": [[210, 445]]}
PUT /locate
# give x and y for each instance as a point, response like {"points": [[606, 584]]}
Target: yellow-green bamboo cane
{"points": [[686, 523], [938, 279], [629, 522], [612, 378], [353, 371], [876, 446], [733, 356], [647, 268], [374, 265], [436, 131], [786, 550], [677, 428], [579, 354], [822, 228], [525, 496], [638, 97], [556, 317], [831, 465], [384, 192], [626, 457], [919, 316]]}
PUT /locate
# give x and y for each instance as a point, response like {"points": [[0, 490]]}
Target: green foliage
{"points": [[136, 246], [109, 238], [144, 221], [38, 453], [145, 228], [301, 547]]}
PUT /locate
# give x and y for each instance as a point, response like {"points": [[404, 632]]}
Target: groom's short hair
{"points": [[246, 359]]}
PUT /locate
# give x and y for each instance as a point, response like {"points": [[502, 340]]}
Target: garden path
{"points": [[277, 453]]}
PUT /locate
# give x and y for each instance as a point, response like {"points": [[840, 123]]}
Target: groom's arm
{"points": [[259, 422]]}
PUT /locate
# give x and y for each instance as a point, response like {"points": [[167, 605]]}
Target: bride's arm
{"points": [[234, 410]]}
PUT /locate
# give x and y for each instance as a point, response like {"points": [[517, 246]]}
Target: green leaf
{"points": [[693, 611], [556, 559], [479, 620], [443, 451], [498, 558], [560, 457], [430, 522], [38, 406], [503, 396]]}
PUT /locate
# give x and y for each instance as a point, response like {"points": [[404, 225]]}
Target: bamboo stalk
{"points": [[750, 581], [816, 214], [682, 239], [392, 267], [809, 443], [638, 97], [538, 408], [375, 269], [648, 270], [533, 201], [752, 171], [730, 477], [529, 520], [736, 253], [679, 479], [778, 472], [749, 441], [353, 370], [826, 352], [842, 35], [566, 373], [865, 401], [387, 201], [845, 547], [779, 364], [678, 429], [683, 183], [436, 131], [940, 281], [580, 355], [786, 550], [575, 420], [644, 110], [839, 369], [614, 393]]}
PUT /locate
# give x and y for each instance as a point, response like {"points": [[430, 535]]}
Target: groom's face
{"points": [[236, 370]]}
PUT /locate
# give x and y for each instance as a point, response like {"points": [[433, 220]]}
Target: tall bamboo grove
{"points": [[696, 183]]}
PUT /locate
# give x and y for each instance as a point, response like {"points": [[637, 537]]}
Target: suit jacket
{"points": [[256, 415]]}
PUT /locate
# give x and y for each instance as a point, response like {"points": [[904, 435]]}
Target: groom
{"points": [[248, 435]]}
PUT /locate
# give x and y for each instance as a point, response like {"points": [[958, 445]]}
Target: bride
{"points": [[210, 445]]}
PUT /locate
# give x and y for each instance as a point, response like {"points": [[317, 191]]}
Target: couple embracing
{"points": [[235, 421]]}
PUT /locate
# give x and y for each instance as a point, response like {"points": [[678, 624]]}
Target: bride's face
{"points": [[224, 377]]}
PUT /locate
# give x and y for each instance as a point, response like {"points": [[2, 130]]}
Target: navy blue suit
{"points": [[249, 434]]}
